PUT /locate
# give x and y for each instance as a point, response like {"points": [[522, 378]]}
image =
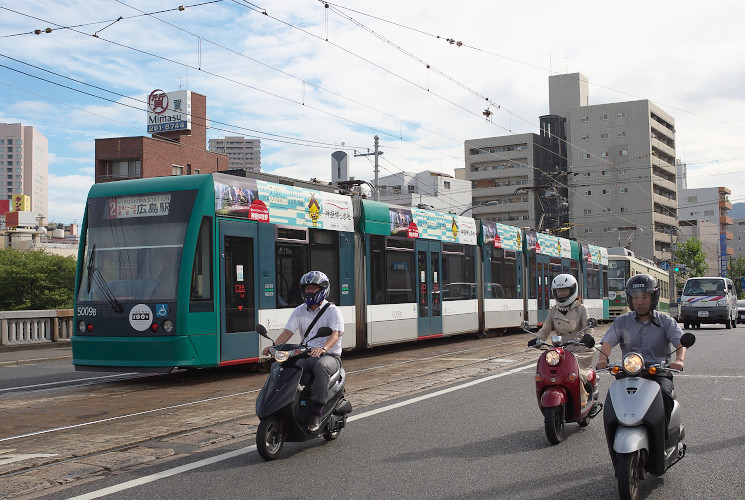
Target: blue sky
{"points": [[305, 78]]}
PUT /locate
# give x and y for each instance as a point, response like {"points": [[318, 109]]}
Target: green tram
{"points": [[176, 272], [622, 266]]}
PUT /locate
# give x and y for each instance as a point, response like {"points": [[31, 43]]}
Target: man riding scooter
{"points": [[646, 331], [308, 318]]}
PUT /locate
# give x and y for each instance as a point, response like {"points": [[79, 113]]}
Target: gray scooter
{"points": [[283, 407], [634, 420]]}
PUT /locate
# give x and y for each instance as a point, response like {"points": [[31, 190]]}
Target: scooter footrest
{"points": [[598, 408]]}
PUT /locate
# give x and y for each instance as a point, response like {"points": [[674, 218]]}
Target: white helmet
{"points": [[564, 281]]}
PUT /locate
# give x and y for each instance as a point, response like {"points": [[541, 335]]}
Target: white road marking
{"points": [[226, 456]]}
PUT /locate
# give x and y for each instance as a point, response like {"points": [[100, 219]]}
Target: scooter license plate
{"points": [[703, 314]]}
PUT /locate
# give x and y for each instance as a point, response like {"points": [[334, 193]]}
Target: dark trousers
{"points": [[666, 387], [322, 368]]}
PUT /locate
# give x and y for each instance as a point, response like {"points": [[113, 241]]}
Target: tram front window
{"points": [[133, 247]]}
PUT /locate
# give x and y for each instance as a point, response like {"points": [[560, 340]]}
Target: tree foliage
{"points": [[736, 272], [690, 255], [35, 280]]}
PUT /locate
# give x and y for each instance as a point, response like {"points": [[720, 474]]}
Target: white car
{"points": [[741, 311]]}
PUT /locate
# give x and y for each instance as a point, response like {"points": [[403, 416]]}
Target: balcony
{"points": [[729, 236], [724, 204], [726, 220], [664, 219], [730, 251]]}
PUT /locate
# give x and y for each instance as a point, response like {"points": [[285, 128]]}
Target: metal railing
{"points": [[35, 327]]}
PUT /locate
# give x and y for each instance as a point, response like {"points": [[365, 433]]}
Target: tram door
{"points": [[238, 337], [429, 285], [543, 286]]}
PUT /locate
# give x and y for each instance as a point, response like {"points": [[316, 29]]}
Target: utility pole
{"points": [[671, 271], [376, 191]]}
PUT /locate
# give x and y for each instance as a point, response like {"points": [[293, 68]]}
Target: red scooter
{"points": [[557, 385]]}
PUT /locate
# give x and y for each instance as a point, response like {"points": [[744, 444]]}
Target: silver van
{"points": [[708, 300]]}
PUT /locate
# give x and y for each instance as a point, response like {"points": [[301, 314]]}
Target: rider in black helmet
{"points": [[646, 331]]}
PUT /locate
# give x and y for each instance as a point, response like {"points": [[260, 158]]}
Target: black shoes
{"points": [[315, 423]]}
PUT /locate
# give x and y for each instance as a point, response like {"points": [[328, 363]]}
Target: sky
{"points": [[309, 78]]}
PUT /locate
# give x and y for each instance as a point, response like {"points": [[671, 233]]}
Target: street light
{"points": [[356, 182], [488, 203]]}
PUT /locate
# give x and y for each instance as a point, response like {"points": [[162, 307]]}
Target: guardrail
{"points": [[35, 327]]}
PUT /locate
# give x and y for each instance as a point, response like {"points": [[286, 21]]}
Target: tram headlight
{"points": [[633, 363], [81, 326], [168, 326], [553, 357]]}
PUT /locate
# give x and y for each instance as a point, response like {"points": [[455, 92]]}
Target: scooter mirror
{"points": [[324, 331], [262, 331], [687, 340], [588, 340], [592, 322]]}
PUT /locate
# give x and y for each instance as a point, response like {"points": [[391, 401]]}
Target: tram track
{"points": [[84, 426]]}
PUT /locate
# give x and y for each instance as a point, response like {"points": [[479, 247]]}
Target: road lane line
{"points": [[226, 456]]}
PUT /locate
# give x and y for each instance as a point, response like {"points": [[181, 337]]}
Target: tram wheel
{"points": [[269, 438]]}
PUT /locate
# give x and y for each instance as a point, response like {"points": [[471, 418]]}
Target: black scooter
{"points": [[283, 405]]}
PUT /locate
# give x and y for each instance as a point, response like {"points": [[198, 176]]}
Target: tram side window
{"points": [[533, 276], [201, 272], [397, 284], [555, 267], [299, 251], [593, 282], [458, 272], [504, 274]]}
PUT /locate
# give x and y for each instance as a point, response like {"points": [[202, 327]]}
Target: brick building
{"points": [[175, 152]]}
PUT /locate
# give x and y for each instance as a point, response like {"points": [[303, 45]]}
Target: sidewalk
{"points": [[19, 355]]}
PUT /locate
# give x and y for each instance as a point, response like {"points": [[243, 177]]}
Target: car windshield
{"points": [[704, 286]]}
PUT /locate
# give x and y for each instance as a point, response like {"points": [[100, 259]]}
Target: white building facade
{"points": [[24, 165], [432, 190]]}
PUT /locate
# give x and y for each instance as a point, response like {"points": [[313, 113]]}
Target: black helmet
{"points": [[315, 278], [643, 283]]}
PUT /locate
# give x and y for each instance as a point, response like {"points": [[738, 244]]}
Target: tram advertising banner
{"points": [[279, 204], [501, 236], [545, 244], [416, 223], [595, 255]]}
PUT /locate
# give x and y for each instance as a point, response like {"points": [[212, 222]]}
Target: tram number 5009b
{"points": [[397, 314], [86, 311]]}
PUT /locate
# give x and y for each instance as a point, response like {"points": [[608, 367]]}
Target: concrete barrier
{"points": [[19, 328]]}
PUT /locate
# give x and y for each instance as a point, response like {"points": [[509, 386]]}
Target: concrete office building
{"points": [[242, 153], [621, 169], [501, 171], [24, 165], [442, 192], [738, 238], [712, 205], [708, 234]]}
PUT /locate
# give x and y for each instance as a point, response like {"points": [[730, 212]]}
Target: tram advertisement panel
{"points": [[501, 236], [545, 244], [416, 223], [280, 204], [595, 255]]}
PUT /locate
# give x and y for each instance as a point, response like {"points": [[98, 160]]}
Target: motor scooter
{"points": [[634, 420], [283, 405], [558, 384]]}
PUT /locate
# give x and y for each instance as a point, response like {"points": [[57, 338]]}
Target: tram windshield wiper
{"points": [[95, 276]]}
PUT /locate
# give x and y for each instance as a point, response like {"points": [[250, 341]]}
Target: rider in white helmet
{"points": [[566, 318]]}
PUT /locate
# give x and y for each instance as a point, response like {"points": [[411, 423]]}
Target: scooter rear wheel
{"points": [[554, 423], [269, 438], [627, 471]]}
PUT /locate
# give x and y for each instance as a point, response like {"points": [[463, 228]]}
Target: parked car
{"points": [[741, 311]]}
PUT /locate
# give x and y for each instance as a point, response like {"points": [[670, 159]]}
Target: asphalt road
{"points": [[483, 440]]}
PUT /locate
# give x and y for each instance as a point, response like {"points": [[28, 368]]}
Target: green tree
{"points": [[690, 255], [736, 272], [35, 280]]}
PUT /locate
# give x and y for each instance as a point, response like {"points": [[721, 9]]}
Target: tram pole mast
{"points": [[376, 153]]}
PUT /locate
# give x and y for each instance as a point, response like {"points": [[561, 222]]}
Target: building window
{"points": [[585, 119], [585, 174], [607, 229], [588, 211], [604, 136], [708, 212], [586, 137], [606, 191], [623, 152], [603, 172], [447, 185], [624, 190], [121, 169], [588, 192], [604, 154], [412, 189], [692, 199], [622, 134], [396, 189], [588, 229], [586, 156], [177, 170], [621, 115], [623, 209], [196, 171], [605, 117]]}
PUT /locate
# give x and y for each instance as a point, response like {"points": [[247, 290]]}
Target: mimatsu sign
{"points": [[167, 111]]}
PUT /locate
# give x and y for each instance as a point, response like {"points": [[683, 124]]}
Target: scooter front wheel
{"points": [[627, 471], [554, 423], [269, 438]]}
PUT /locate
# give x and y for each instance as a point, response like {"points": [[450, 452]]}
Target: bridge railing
{"points": [[35, 327]]}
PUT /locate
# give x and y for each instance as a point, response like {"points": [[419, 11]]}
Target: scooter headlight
{"points": [[553, 357], [633, 363], [282, 355]]}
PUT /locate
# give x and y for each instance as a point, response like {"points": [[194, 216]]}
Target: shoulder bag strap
{"points": [[313, 323]]}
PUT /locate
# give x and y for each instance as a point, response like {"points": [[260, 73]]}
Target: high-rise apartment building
{"points": [[621, 169], [24, 165], [242, 153], [712, 205], [502, 173]]}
